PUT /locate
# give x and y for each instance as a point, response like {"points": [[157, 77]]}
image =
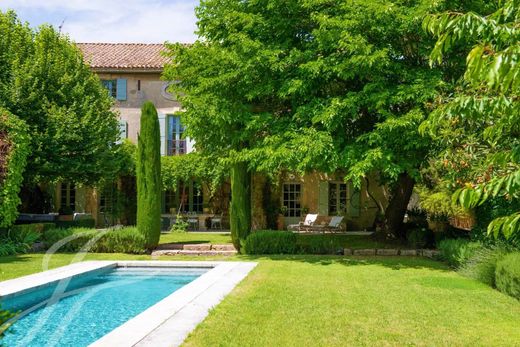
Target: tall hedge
{"points": [[14, 149], [240, 212], [148, 172]]}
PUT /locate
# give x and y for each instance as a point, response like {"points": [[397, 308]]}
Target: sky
{"points": [[140, 21]]}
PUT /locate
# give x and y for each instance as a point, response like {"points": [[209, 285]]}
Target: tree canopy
{"points": [[313, 85], [45, 82], [480, 124]]}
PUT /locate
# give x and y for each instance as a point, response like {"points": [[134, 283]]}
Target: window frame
{"points": [[176, 144], [194, 198], [292, 193], [110, 86], [339, 207], [68, 196]]}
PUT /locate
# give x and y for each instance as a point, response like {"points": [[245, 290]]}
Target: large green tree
{"points": [[45, 82], [480, 123], [313, 85], [148, 174]]}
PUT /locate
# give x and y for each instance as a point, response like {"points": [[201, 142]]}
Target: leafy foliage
{"points": [[45, 82], [482, 264], [457, 251], [483, 118], [148, 172], [14, 139]]}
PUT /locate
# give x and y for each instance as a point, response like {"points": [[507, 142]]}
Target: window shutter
{"points": [[163, 129], [354, 205], [323, 198], [123, 130], [121, 89]]}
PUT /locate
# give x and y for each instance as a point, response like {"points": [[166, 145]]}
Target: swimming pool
{"points": [[79, 311], [123, 303]]}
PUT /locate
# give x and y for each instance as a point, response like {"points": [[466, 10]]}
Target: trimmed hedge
{"points": [[482, 264], [270, 242], [507, 275], [81, 223], [125, 240]]}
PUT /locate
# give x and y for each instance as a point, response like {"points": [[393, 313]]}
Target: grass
{"points": [[350, 241], [196, 237], [339, 301]]}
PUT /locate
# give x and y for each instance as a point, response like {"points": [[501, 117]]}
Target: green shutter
{"points": [[121, 89], [163, 128], [354, 203], [323, 198]]}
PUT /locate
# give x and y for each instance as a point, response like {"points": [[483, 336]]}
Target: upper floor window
{"points": [[176, 142], [116, 88]]}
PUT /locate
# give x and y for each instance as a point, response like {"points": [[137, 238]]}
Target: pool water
{"points": [[82, 310]]}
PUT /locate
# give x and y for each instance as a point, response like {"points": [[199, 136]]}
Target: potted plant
{"points": [[66, 213], [439, 208], [280, 222], [205, 208]]}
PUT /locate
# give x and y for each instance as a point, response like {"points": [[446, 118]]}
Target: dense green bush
{"points": [[487, 212], [318, 244], [482, 264], [270, 242], [18, 241], [81, 223], [125, 240], [457, 251], [14, 136], [36, 227], [420, 238], [508, 275]]}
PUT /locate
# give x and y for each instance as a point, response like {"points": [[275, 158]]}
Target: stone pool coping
{"points": [[168, 322]]}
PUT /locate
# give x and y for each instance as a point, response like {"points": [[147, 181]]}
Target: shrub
{"points": [[270, 242], [457, 251], [318, 244], [482, 264], [180, 225], [18, 241], [38, 228], [420, 238], [125, 240], [80, 223], [508, 275]]}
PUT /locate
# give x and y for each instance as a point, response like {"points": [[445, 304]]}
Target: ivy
{"points": [[14, 134]]}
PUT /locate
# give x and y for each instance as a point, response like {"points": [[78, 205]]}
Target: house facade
{"points": [[132, 74]]}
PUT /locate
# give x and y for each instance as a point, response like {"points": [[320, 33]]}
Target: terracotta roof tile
{"points": [[123, 55]]}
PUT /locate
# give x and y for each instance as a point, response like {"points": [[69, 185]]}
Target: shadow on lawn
{"points": [[394, 262], [15, 259]]}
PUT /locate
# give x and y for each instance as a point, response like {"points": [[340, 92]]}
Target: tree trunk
{"points": [[240, 210], [396, 209]]}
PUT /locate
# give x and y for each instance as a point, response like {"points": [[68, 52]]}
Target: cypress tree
{"points": [[240, 213], [148, 172]]}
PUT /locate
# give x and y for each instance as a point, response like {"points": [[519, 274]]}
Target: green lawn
{"points": [[338, 301], [196, 237]]}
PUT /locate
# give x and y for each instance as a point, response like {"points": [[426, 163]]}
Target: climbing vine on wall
{"points": [[14, 148]]}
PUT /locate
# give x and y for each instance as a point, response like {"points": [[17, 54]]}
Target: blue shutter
{"points": [[121, 89], [163, 127]]}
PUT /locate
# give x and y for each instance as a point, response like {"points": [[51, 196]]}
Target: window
{"points": [[111, 86], [116, 88], [291, 199], [337, 198], [176, 143], [67, 197], [186, 198]]}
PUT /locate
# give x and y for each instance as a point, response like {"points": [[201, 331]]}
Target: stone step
{"points": [[172, 252], [195, 247]]}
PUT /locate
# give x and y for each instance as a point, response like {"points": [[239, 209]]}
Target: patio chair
{"points": [[307, 223], [193, 221], [216, 222], [334, 224]]}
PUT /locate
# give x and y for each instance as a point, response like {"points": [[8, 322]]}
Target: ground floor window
{"points": [[186, 198], [67, 198], [337, 198], [292, 199]]}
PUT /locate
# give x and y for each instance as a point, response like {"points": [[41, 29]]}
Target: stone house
{"points": [[132, 74]]}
